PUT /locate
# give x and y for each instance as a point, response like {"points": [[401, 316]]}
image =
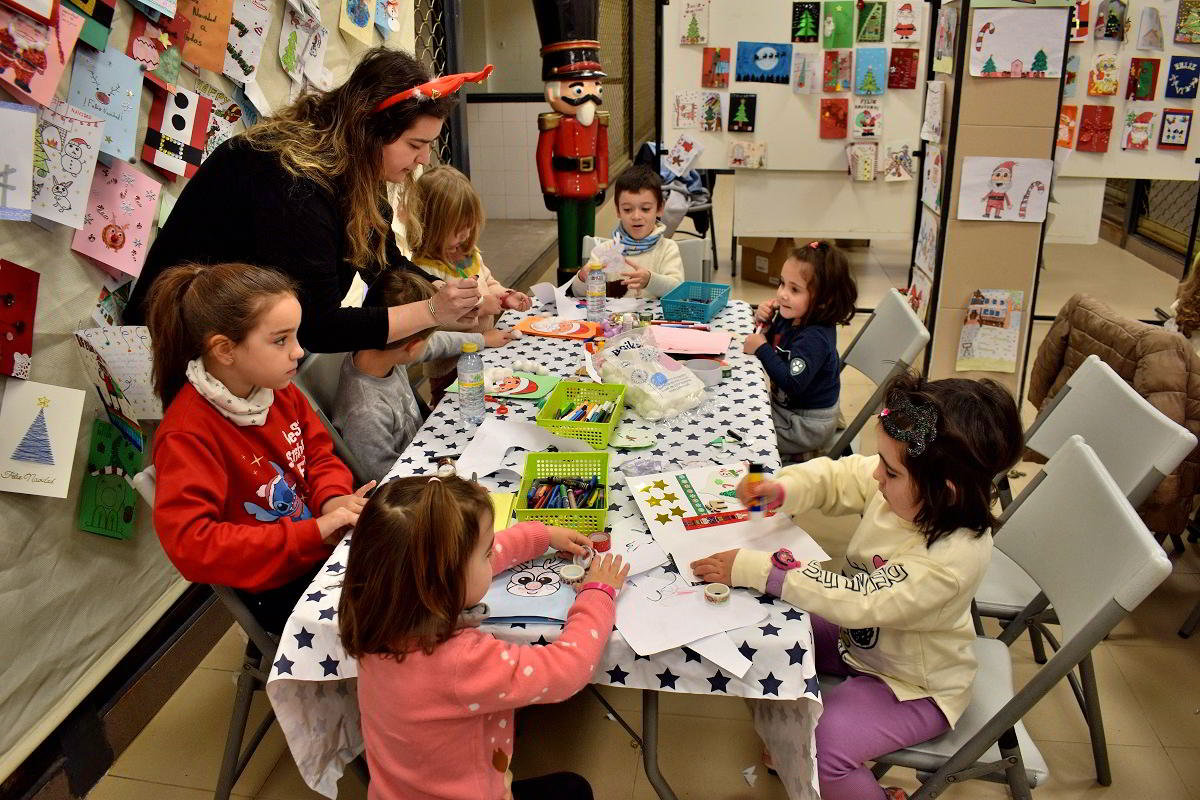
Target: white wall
{"points": [[501, 145]]}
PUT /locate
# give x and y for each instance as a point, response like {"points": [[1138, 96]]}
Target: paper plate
{"points": [[632, 438]]}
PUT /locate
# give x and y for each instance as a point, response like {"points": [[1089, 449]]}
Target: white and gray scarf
{"points": [[241, 411]]}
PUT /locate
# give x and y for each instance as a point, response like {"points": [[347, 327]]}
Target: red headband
{"points": [[438, 87]]}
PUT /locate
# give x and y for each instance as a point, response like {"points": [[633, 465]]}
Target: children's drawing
{"points": [[715, 71], [870, 67], [919, 291], [114, 296], [1081, 15], [209, 33], [97, 23], [861, 158], [1176, 129], [176, 130], [867, 118], [248, 30], [931, 123], [902, 69], [1095, 126], [693, 22], [1071, 78], [32, 55], [763, 62], [39, 425], [686, 110], [109, 85], [1102, 79], [1150, 32], [120, 214], [1187, 22], [989, 337], [66, 142], [1017, 43], [357, 18], [107, 500], [871, 16], [1067, 122], [837, 24], [681, 155], [1110, 20], [530, 592], [1143, 79], [837, 73], [931, 177], [18, 309], [804, 21], [926, 253], [224, 120], [16, 161], [1139, 129], [897, 163], [994, 188], [742, 111], [302, 44], [944, 37], [711, 112], [803, 73], [906, 27], [158, 47], [1183, 77], [833, 119], [748, 155]]}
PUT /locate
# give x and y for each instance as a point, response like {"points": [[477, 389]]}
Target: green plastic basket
{"points": [[597, 434], [565, 465]]}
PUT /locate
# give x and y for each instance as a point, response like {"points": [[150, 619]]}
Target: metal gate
{"points": [[1162, 211], [438, 32]]}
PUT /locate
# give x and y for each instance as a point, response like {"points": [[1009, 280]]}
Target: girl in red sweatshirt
{"points": [[249, 493], [436, 697]]}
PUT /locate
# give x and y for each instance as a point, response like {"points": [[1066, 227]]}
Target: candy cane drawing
{"points": [[986, 29], [1041, 187]]}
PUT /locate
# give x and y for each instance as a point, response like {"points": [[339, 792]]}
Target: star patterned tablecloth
{"points": [[312, 684]]}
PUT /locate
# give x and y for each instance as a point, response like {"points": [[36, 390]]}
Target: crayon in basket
{"points": [[586, 412], [565, 493]]}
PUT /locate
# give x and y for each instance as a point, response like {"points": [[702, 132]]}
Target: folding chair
{"points": [[887, 345], [695, 266], [318, 378], [1093, 558]]}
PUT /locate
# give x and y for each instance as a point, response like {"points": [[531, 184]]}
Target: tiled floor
{"points": [[1149, 678]]}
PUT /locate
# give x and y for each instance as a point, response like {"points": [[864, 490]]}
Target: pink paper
{"points": [[36, 87], [683, 340], [119, 218]]}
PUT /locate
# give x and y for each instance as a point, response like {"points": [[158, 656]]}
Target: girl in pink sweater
{"points": [[437, 696]]}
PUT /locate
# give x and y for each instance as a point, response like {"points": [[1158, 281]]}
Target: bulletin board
{"points": [[1153, 163]]}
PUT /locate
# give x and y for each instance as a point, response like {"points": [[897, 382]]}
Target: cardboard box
{"points": [[763, 257]]}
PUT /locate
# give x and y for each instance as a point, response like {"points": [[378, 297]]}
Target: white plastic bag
{"points": [[656, 385]]}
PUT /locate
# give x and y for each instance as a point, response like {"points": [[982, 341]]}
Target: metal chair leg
{"points": [[246, 684], [1095, 722], [1193, 621], [1018, 781], [650, 746], [1035, 644]]}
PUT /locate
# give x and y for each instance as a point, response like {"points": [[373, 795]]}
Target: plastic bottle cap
{"points": [[470, 347]]}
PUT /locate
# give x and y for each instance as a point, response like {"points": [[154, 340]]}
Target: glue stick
{"points": [[753, 478]]}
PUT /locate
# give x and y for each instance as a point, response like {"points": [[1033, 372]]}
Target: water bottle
{"points": [[596, 287], [470, 384]]}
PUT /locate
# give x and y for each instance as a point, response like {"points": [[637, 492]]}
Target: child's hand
{"points": [[766, 310], [635, 277], [583, 272], [753, 342], [717, 568], [607, 570], [767, 492], [566, 540], [354, 502], [497, 337], [492, 304], [517, 301]]}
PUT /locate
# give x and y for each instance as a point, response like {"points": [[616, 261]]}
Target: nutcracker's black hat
{"points": [[570, 48]]}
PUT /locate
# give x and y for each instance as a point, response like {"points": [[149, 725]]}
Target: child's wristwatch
{"points": [[782, 561]]}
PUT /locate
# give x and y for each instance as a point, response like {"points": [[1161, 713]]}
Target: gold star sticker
{"points": [[43, 402], [676, 512], [655, 501], [659, 484], [257, 460], [662, 519], [670, 496]]}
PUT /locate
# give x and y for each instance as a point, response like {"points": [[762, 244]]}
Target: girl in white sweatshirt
{"points": [[896, 623]]}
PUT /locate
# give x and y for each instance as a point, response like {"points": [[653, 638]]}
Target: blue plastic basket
{"points": [[696, 301]]}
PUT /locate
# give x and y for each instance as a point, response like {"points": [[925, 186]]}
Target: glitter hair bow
{"points": [[436, 88], [915, 425]]}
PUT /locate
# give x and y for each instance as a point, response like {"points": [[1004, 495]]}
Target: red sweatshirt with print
{"points": [[234, 505]]}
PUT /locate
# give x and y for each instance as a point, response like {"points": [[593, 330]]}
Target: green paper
{"points": [[543, 384], [870, 21], [837, 25], [93, 33], [107, 500]]}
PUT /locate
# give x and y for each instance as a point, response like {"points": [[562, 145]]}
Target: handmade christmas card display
{"points": [[763, 62], [107, 500], [870, 67], [357, 18], [748, 155], [872, 14], [158, 47], [17, 124], [109, 85], [1004, 189], [989, 338], [114, 296], [1095, 126], [804, 80], [714, 73], [1183, 77], [693, 22], [176, 130], [931, 177], [39, 426], [867, 117], [1110, 20], [681, 155], [686, 112], [742, 110], [302, 44], [931, 122], [711, 111], [837, 24], [18, 309], [209, 32], [919, 292], [1081, 16], [1176, 129], [119, 217], [247, 31], [97, 21], [36, 54], [1139, 127], [42, 11], [944, 38], [387, 17], [926, 251], [834, 122], [1187, 22], [861, 158], [1150, 32], [902, 69], [907, 25], [1071, 79], [1102, 78], [1017, 43], [805, 18], [66, 143], [838, 71], [225, 118], [1142, 83], [1068, 121], [897, 162]]}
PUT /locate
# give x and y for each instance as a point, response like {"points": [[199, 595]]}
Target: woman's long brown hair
{"points": [[190, 303], [334, 139], [405, 581]]}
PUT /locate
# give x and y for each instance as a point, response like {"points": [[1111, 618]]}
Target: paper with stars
{"points": [[312, 688]]}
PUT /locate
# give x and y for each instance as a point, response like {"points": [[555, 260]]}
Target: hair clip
{"points": [[436, 88], [917, 428], [433, 478], [814, 245]]}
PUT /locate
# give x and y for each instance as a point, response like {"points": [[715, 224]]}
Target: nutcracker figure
{"points": [[572, 150]]}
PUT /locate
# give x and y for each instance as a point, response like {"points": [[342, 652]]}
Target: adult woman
{"points": [[304, 192]]}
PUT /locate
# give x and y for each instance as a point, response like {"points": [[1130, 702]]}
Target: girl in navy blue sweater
{"points": [[798, 346]]}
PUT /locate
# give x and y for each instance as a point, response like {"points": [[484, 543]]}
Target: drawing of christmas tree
{"points": [[41, 162], [1039, 61], [869, 84], [1113, 27], [871, 28], [740, 117], [1188, 29], [989, 66], [710, 117], [289, 55], [35, 444], [806, 27], [693, 30]]}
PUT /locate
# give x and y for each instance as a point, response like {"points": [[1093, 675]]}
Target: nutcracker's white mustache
{"points": [[586, 113]]}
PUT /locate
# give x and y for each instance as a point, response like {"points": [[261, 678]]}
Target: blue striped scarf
{"points": [[635, 247]]}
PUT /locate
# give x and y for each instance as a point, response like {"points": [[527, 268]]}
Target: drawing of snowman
{"points": [[72, 157]]}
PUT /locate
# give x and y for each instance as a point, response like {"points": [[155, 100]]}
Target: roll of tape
{"points": [[716, 593], [584, 560], [572, 574], [601, 542]]}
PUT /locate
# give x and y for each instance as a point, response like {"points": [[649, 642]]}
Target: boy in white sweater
{"points": [[653, 261]]}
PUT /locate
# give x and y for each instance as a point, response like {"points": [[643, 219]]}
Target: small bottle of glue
{"points": [[753, 478]]}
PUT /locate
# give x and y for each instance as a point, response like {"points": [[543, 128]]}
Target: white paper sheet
{"points": [[721, 650], [767, 535], [495, 437]]}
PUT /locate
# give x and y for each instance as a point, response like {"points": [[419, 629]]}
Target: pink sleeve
{"points": [[521, 542], [491, 675]]}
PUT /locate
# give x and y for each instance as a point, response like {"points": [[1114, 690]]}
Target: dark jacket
{"points": [[802, 361]]}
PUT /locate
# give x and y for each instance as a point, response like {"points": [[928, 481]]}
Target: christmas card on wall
{"points": [[39, 426], [742, 110], [17, 124], [158, 47], [1150, 32], [247, 31], [387, 19], [65, 145], [225, 118], [1142, 83], [837, 72], [989, 338], [302, 44], [918, 293], [1187, 22], [997, 188], [1139, 127], [1017, 43], [18, 289], [748, 155], [209, 32], [686, 111], [681, 155], [107, 500], [1067, 122], [944, 37], [1183, 77], [870, 67], [902, 71], [36, 54], [867, 116], [175, 131], [837, 24], [1095, 126], [931, 178], [804, 21], [862, 157], [897, 163], [1110, 20], [715, 71], [1081, 15], [357, 18], [109, 85], [119, 217], [693, 21], [1071, 79], [118, 362], [711, 111], [907, 27], [804, 73], [871, 18], [834, 117], [114, 296], [931, 123], [926, 251], [1102, 79], [97, 21], [763, 62], [1176, 129]]}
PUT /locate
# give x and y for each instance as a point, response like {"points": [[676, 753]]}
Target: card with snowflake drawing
{"points": [[109, 85], [39, 428], [18, 288], [119, 218]]}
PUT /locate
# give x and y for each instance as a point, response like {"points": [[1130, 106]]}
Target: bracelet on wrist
{"points": [[432, 310], [603, 587]]}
